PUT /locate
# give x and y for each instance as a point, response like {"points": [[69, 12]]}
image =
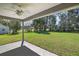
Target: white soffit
{"points": [[8, 9]]}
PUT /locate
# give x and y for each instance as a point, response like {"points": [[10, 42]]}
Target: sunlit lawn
{"points": [[6, 38], [57, 42]]}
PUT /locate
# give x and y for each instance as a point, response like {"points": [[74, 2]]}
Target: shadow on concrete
{"points": [[21, 51]]}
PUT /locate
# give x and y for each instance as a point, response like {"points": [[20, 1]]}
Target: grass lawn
{"points": [[6, 38], [57, 42]]}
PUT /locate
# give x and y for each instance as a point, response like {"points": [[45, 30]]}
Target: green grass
{"points": [[57, 42], [6, 38]]}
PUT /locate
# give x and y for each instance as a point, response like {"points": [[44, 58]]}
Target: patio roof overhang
{"points": [[51, 8], [54, 9], [8, 10], [9, 18]]}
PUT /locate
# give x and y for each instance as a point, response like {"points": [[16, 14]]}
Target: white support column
{"points": [[22, 33]]}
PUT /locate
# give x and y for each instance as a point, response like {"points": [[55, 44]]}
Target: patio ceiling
{"points": [[31, 10]]}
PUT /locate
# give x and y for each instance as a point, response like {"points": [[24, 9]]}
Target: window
{"points": [[3, 29]]}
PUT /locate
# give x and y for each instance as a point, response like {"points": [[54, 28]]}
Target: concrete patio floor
{"points": [[21, 51], [28, 49]]}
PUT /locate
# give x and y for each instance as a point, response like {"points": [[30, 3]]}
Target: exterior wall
{"points": [[4, 29]]}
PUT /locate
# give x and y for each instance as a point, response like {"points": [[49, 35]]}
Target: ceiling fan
{"points": [[18, 8]]}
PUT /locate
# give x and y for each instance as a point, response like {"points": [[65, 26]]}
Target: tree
{"points": [[35, 25], [52, 22], [39, 24], [43, 23], [69, 20], [73, 18], [3, 21], [63, 21], [14, 26]]}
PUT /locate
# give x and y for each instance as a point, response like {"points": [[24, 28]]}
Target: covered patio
{"points": [[29, 12]]}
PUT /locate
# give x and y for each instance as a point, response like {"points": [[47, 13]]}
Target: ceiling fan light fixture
{"points": [[19, 12]]}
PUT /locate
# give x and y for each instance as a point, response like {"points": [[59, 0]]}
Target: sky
{"points": [[57, 20]]}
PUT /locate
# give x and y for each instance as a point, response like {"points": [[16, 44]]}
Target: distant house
{"points": [[28, 28], [4, 29]]}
